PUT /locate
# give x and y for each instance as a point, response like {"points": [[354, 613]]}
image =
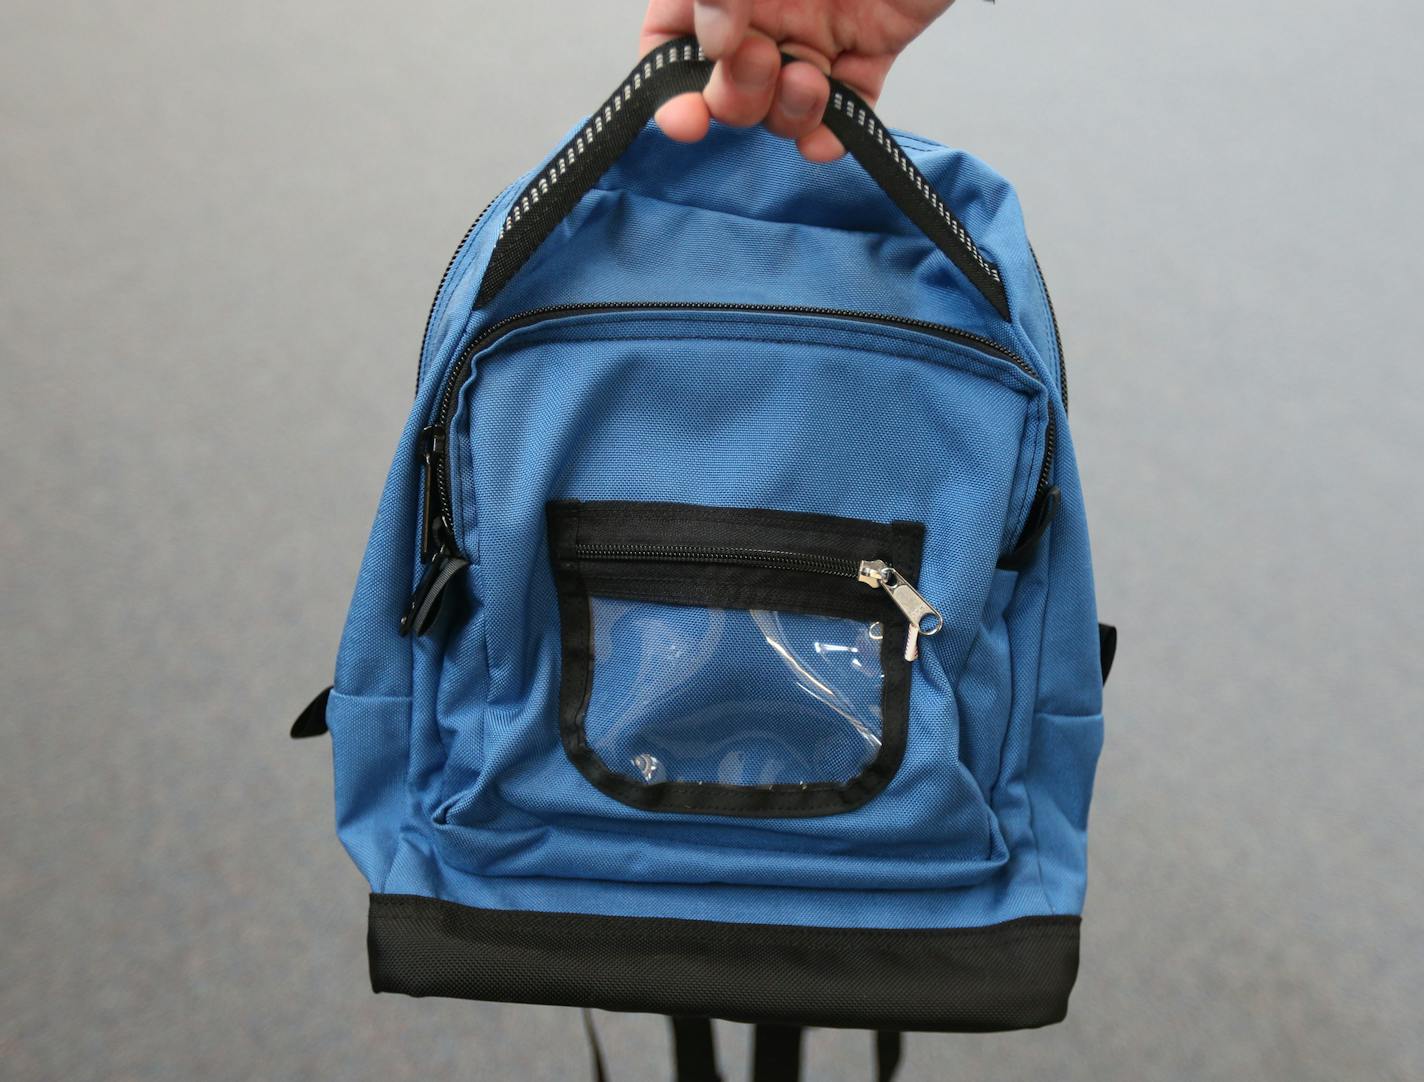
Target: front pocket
{"points": [[735, 661]]}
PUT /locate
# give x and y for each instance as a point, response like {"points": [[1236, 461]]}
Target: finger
{"points": [[742, 84], [663, 21], [820, 146], [801, 93], [684, 118], [863, 74], [720, 25]]}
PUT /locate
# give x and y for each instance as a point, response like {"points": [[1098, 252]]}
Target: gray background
{"points": [[221, 225]]}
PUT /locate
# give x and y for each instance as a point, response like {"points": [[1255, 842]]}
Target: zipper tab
{"points": [[436, 534], [924, 618], [425, 602]]}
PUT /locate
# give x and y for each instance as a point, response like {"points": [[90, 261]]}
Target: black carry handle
{"points": [[680, 67]]}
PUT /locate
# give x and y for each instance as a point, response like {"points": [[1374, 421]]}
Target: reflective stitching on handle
{"points": [[674, 54], [868, 121]]}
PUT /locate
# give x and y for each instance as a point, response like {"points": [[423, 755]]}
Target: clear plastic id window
{"points": [[735, 661]]}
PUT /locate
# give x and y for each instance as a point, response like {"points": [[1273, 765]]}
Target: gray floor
{"points": [[221, 225]]}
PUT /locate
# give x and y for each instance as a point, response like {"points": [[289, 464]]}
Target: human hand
{"points": [[855, 41]]}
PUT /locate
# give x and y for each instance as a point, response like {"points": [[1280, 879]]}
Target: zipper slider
{"points": [[924, 618]]}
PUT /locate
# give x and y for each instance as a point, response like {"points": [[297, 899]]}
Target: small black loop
{"points": [[312, 721], [1107, 648], [1044, 508]]}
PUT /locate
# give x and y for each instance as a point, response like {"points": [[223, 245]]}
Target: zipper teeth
{"points": [[939, 330], [445, 277], [1057, 337], [778, 559]]}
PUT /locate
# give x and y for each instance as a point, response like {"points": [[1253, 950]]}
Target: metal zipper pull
{"points": [[924, 618]]}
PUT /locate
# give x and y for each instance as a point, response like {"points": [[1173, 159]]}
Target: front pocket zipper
{"points": [[923, 618], [735, 661], [440, 549]]}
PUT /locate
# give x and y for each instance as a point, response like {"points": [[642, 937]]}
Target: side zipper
{"points": [[437, 541], [1057, 337], [445, 277]]}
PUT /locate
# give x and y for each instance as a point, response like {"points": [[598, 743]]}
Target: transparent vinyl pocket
{"points": [[733, 697], [732, 661]]}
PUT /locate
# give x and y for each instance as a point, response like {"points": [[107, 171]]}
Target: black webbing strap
{"points": [[594, 1050], [694, 1050], [776, 1053], [888, 1046], [679, 67], [855, 124]]}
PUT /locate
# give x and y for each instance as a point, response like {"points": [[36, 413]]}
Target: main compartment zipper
{"points": [[438, 544], [924, 618]]}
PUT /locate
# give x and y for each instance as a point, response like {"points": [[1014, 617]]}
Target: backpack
{"points": [[725, 646]]}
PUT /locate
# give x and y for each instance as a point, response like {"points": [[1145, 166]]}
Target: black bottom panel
{"points": [[1015, 975]]}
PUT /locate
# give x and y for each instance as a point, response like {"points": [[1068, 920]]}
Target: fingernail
{"points": [[754, 69], [796, 100], [713, 26]]}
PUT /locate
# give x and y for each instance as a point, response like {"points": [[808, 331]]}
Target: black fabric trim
{"points": [[312, 721], [678, 67], [572, 523], [1014, 975], [1107, 648], [694, 1050]]}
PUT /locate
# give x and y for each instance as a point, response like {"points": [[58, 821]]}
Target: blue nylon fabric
{"points": [[451, 778]]}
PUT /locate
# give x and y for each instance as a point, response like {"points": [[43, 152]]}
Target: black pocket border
{"points": [[574, 522]]}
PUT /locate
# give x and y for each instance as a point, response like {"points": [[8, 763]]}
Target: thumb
{"points": [[720, 25]]}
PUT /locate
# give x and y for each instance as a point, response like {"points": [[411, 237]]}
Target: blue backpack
{"points": [[725, 646]]}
